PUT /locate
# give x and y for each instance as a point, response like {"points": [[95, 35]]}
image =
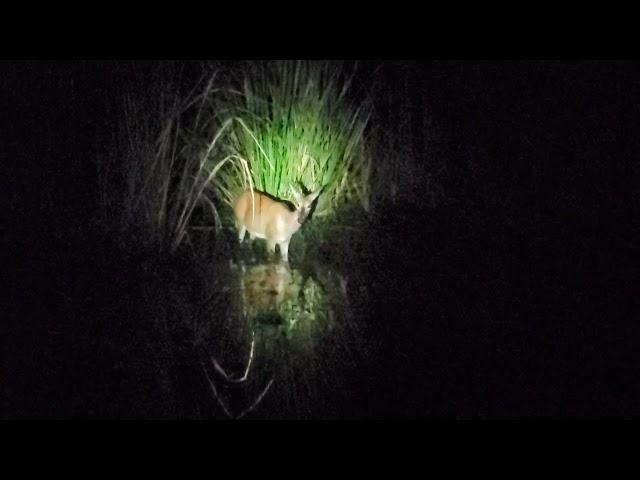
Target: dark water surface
{"points": [[464, 324]]}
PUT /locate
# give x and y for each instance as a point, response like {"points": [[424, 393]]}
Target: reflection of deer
{"points": [[266, 217], [265, 287]]}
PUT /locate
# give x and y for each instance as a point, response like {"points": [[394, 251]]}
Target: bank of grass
{"points": [[186, 153]]}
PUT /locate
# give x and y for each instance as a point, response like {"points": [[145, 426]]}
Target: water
{"points": [[279, 341], [457, 322]]}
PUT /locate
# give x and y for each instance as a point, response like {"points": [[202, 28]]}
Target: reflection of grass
{"points": [[307, 343], [275, 297], [280, 306], [307, 311]]}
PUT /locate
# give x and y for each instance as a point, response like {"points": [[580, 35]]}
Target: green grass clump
{"points": [[265, 125], [293, 124]]}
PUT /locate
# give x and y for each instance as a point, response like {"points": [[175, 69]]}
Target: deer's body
{"points": [[270, 219]]}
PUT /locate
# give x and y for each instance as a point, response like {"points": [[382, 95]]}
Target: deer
{"points": [[266, 217]]}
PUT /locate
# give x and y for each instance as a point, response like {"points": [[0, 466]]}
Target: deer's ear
{"points": [[312, 196]]}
